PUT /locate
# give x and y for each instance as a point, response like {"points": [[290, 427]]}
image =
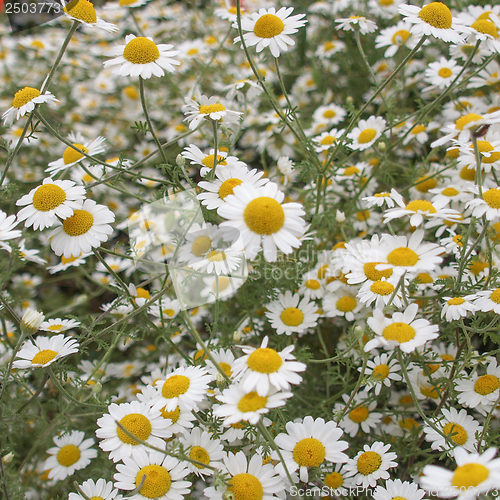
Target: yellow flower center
{"points": [[456, 301], [68, 455], [449, 191], [467, 173], [227, 187], [23, 96], [47, 197], [486, 384], [55, 327], [292, 316], [131, 93], [206, 109], [157, 481], [264, 360], [469, 475], [367, 135], [359, 414], [71, 156], [43, 357], [417, 129], [400, 37], [436, 14], [445, 72], [309, 452], [486, 27], [456, 433], [245, 486], [251, 402], [382, 287], [172, 415], [174, 386], [495, 296], [398, 332], [402, 256], [327, 140], [264, 215], [381, 371], [83, 10], [79, 223], [346, 303], [226, 367], [141, 50], [408, 423], [312, 284], [465, 120], [200, 455], [329, 113], [216, 256], [268, 26], [201, 245], [352, 170], [421, 205], [334, 480], [369, 462], [492, 197], [208, 161], [137, 424], [372, 274]]}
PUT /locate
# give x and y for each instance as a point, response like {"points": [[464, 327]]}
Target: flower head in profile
{"points": [[24, 102], [196, 109], [84, 12]]}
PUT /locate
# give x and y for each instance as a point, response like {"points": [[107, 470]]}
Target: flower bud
{"points": [[180, 160], [31, 321], [340, 216]]}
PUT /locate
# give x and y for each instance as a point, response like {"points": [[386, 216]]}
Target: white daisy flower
{"points": [[366, 133], [225, 360], [312, 287], [371, 464], [67, 262], [290, 314], [361, 417], [395, 37], [96, 489], [140, 420], [71, 452], [330, 114], [263, 220], [475, 474], [24, 102], [199, 446], [166, 308], [327, 140], [380, 292], [161, 476], [186, 386], [270, 28], [455, 308], [381, 371], [460, 428], [84, 12], [59, 325], [309, 443], [142, 57], [489, 152], [434, 19], [241, 405], [71, 156], [356, 22], [488, 204], [248, 478], [485, 29], [43, 351], [383, 198], [87, 228], [488, 300], [47, 202], [397, 489], [263, 368], [196, 109], [227, 178], [341, 302], [206, 161], [440, 74], [402, 330], [7, 231]]}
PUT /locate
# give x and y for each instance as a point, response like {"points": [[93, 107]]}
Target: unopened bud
{"points": [[349, 100], [180, 160], [31, 321], [237, 336], [7, 459], [382, 146], [340, 216]]}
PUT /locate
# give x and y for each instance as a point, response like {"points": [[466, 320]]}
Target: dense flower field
{"points": [[250, 251]]}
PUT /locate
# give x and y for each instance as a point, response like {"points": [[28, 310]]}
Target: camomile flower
{"points": [[397, 489], [199, 446], [186, 386], [356, 22], [270, 28], [366, 133], [341, 302], [309, 443], [390, 199], [402, 330], [329, 48], [381, 371], [206, 161], [312, 287], [395, 37], [434, 19], [161, 476], [455, 308], [140, 420], [166, 308], [87, 228], [142, 57], [380, 292], [440, 74], [292, 314], [43, 351], [71, 452], [327, 140], [227, 178], [71, 156], [263, 220], [487, 204], [58, 325], [474, 474], [240, 405], [96, 490], [7, 231], [361, 417], [198, 108], [24, 102], [84, 12], [489, 153], [263, 367], [488, 300], [249, 478], [485, 30], [225, 359], [45, 203], [460, 428], [371, 464], [330, 114]]}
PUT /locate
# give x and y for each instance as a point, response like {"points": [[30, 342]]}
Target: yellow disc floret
{"points": [[264, 215], [47, 197], [68, 455], [398, 332], [138, 425], [264, 360], [292, 316], [469, 475], [492, 197], [309, 452], [141, 50], [486, 384], [79, 223], [24, 96], [268, 26], [228, 186], [245, 486], [70, 155], [369, 462], [83, 10], [174, 386], [437, 14], [251, 402], [156, 483], [43, 357]]}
